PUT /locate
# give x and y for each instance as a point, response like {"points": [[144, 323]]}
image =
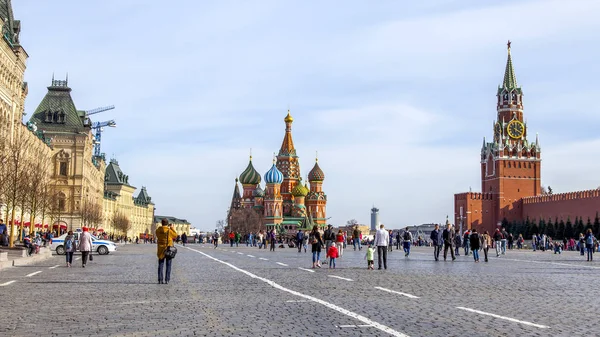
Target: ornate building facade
{"points": [[55, 149], [286, 203], [511, 188]]}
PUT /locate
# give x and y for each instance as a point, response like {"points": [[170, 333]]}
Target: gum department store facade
{"points": [[511, 188], [61, 136]]}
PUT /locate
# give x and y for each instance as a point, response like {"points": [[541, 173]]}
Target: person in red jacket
{"points": [[339, 242], [332, 254]]}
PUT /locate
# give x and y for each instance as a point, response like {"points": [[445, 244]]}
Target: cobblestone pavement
{"points": [[249, 292]]}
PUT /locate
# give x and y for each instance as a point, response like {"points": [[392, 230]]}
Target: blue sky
{"points": [[395, 96]]}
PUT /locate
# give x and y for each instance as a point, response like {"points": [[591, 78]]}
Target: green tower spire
{"points": [[510, 80]]}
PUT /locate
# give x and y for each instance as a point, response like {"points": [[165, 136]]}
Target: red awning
{"points": [[62, 226], [38, 225], [100, 230], [46, 226], [27, 224]]}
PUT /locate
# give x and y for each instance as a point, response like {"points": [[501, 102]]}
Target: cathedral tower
{"points": [[316, 200], [510, 165], [273, 201], [250, 178], [287, 163]]}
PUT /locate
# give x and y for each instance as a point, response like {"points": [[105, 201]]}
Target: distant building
{"points": [[180, 225], [374, 218]]}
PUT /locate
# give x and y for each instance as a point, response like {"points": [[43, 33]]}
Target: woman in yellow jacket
{"points": [[165, 235]]}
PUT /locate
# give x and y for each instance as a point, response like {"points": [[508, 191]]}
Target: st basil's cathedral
{"points": [[286, 203]]}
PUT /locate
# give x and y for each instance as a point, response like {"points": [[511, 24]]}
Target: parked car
{"points": [[101, 246]]}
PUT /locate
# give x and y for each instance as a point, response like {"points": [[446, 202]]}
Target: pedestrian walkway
{"points": [[17, 256]]}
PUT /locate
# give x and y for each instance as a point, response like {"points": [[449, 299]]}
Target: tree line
{"points": [[557, 229]]}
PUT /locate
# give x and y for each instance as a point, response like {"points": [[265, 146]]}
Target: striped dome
{"points": [[273, 176], [316, 174], [300, 190], [250, 176], [258, 192]]}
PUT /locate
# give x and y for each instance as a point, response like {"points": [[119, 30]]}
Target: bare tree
{"points": [[15, 185], [220, 226], [121, 223], [352, 222], [90, 213], [244, 220]]}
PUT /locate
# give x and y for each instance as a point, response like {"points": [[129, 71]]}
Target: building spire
{"points": [[287, 147], [510, 80]]}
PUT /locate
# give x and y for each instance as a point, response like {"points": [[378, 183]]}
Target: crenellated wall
{"points": [[563, 205], [478, 210]]}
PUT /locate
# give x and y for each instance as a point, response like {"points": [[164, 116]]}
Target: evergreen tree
{"points": [[505, 223], [514, 226], [588, 225], [562, 230], [542, 226], [534, 229], [578, 226], [527, 230], [569, 229], [596, 228], [551, 231]]}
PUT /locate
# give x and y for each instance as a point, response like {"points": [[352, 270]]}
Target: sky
{"points": [[395, 96]]}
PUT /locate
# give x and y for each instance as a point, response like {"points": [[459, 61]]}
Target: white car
{"points": [[101, 246]]}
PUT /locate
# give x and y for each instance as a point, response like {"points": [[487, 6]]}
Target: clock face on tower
{"points": [[515, 129]]}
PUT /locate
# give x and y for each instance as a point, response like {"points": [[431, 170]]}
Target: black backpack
{"points": [[407, 236]]}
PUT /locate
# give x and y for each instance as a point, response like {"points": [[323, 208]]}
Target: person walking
{"points": [[436, 241], [504, 241], [391, 245], [398, 240], [486, 242], [448, 237], [369, 257], [69, 248], [215, 238], [272, 240], [85, 246], [474, 243], [316, 243], [299, 239], [581, 244], [382, 239], [457, 242], [466, 242], [407, 241], [589, 244], [498, 241], [329, 237], [305, 240], [339, 243], [356, 238], [165, 235], [333, 254], [184, 239]]}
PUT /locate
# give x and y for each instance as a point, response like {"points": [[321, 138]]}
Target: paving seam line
{"points": [[332, 306]]}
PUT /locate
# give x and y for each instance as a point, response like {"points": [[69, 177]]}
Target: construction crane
{"points": [[85, 115], [99, 127], [98, 110]]}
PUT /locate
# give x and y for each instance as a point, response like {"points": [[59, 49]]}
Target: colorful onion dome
{"points": [[274, 176], [250, 176], [316, 174], [258, 192], [288, 118], [300, 190]]}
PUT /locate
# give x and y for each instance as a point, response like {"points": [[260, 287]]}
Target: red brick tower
{"points": [[287, 163], [510, 165]]}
